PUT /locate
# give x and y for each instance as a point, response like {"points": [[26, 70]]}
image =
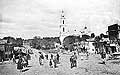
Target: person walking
{"points": [[51, 56], [87, 55], [75, 60], [71, 61], [40, 60], [103, 56], [46, 56], [50, 63], [20, 64], [55, 61], [41, 57], [58, 56]]}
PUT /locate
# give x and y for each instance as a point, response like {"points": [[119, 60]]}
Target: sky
{"points": [[29, 18]]}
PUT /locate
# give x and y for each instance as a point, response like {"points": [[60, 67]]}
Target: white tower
{"points": [[62, 24], [62, 27]]}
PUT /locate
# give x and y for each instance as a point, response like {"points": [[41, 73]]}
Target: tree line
{"points": [[14, 41]]}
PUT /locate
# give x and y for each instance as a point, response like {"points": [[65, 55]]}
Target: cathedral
{"points": [[66, 30]]}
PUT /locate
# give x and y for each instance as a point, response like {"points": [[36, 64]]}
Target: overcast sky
{"points": [[29, 18]]}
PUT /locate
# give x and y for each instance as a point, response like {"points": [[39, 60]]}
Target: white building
{"points": [[66, 30]]}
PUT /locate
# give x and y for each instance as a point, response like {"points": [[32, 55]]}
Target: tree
{"points": [[84, 37], [97, 38], [9, 39], [92, 35], [19, 41], [69, 41], [36, 42], [101, 35]]}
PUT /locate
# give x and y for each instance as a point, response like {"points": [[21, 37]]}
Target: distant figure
{"points": [[51, 56], [84, 49], [14, 61], [41, 57], [40, 60], [55, 62], [87, 55], [77, 51], [20, 64], [73, 60], [35, 55], [58, 56], [50, 63], [103, 56], [46, 56]]}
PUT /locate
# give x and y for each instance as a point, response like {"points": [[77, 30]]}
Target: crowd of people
{"points": [[53, 61]]}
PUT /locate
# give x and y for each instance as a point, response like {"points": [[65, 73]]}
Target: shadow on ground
{"points": [[29, 66], [101, 62], [25, 70]]}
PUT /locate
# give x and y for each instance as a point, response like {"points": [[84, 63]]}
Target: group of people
{"points": [[22, 62], [53, 61]]}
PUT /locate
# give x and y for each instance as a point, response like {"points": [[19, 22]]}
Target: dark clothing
{"points": [[73, 61], [40, 60], [20, 65], [50, 63], [42, 56], [51, 56], [46, 57], [58, 57], [55, 62], [103, 55]]}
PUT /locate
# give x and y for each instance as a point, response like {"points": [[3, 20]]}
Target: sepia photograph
{"points": [[59, 37]]}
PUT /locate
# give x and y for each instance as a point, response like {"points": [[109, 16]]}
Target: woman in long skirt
{"points": [[19, 64]]}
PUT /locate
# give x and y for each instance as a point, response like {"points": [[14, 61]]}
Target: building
{"points": [[70, 30], [6, 50], [114, 32]]}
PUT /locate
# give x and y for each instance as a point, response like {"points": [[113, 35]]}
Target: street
{"points": [[92, 66]]}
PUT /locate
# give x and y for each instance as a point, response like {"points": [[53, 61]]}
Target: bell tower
{"points": [[63, 30], [62, 24]]}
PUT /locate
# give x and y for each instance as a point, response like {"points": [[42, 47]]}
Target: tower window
{"points": [[63, 21], [63, 29]]}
